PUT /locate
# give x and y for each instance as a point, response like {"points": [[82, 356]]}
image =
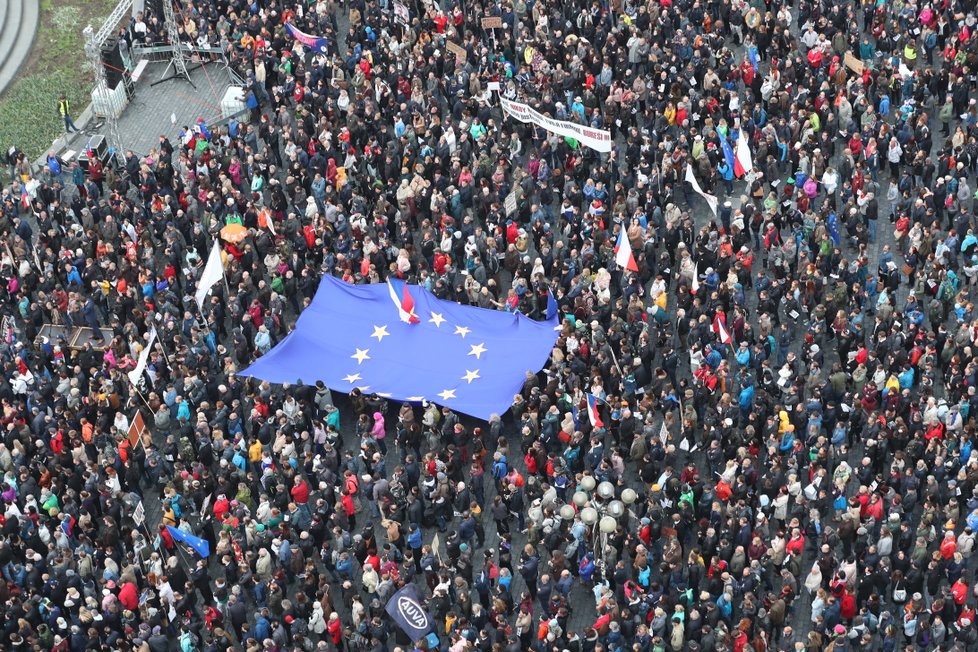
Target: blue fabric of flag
{"points": [[728, 154], [552, 307], [200, 546], [468, 359]]}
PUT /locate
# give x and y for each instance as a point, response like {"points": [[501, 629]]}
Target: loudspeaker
{"points": [[115, 69], [99, 148], [98, 145]]}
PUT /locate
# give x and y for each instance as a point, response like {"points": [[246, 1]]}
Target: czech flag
{"points": [[25, 198], [742, 161], [720, 328], [403, 300], [592, 412], [623, 253]]}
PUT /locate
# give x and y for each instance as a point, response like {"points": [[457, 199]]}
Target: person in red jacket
{"points": [[959, 591], [128, 596], [221, 507], [300, 492], [349, 507], [797, 542], [740, 640], [847, 608], [335, 629], [948, 546], [167, 538]]}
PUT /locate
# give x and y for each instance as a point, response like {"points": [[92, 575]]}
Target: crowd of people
{"points": [[783, 455]]}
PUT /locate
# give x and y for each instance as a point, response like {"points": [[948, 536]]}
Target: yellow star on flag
{"points": [[462, 330], [436, 319], [447, 394], [471, 375], [414, 399], [364, 388], [380, 332], [352, 378], [477, 350], [361, 355]]}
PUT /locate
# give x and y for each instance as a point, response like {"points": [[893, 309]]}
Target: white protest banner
{"points": [[596, 139]]}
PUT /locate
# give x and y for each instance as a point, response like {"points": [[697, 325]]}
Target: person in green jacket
{"points": [[78, 178], [946, 115]]}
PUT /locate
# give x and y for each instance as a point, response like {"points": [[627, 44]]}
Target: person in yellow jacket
{"points": [[254, 452], [64, 110], [910, 53]]}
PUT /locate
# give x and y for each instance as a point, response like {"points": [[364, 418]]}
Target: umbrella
{"points": [[234, 233]]}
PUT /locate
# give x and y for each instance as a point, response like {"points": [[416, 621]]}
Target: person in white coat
{"points": [[317, 621], [814, 580]]}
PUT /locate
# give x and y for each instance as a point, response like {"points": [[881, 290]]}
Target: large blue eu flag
{"points": [[403, 343]]}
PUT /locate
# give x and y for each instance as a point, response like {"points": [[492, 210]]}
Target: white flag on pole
{"points": [[710, 199], [213, 272], [137, 373]]}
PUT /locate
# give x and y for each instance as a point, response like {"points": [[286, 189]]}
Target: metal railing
{"points": [[162, 53]]}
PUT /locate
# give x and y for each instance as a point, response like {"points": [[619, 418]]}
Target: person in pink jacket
{"points": [[378, 432]]}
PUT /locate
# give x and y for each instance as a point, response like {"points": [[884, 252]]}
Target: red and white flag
{"points": [[623, 253], [696, 280], [720, 328], [404, 301], [743, 163], [593, 415]]}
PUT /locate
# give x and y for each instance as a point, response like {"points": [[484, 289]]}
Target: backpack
{"points": [[180, 505], [492, 264]]}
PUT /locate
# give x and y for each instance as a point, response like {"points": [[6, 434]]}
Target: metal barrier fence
{"points": [[163, 52]]}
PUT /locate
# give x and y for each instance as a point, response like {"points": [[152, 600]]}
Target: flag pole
{"points": [[615, 359], [224, 276], [159, 343], [140, 394]]}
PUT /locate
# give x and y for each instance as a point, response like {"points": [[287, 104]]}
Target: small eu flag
{"points": [[200, 546]]}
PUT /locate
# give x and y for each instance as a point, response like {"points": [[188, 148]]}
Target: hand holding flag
{"points": [[623, 253]]}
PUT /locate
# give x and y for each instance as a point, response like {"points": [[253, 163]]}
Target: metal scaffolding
{"points": [[177, 58], [93, 50]]}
